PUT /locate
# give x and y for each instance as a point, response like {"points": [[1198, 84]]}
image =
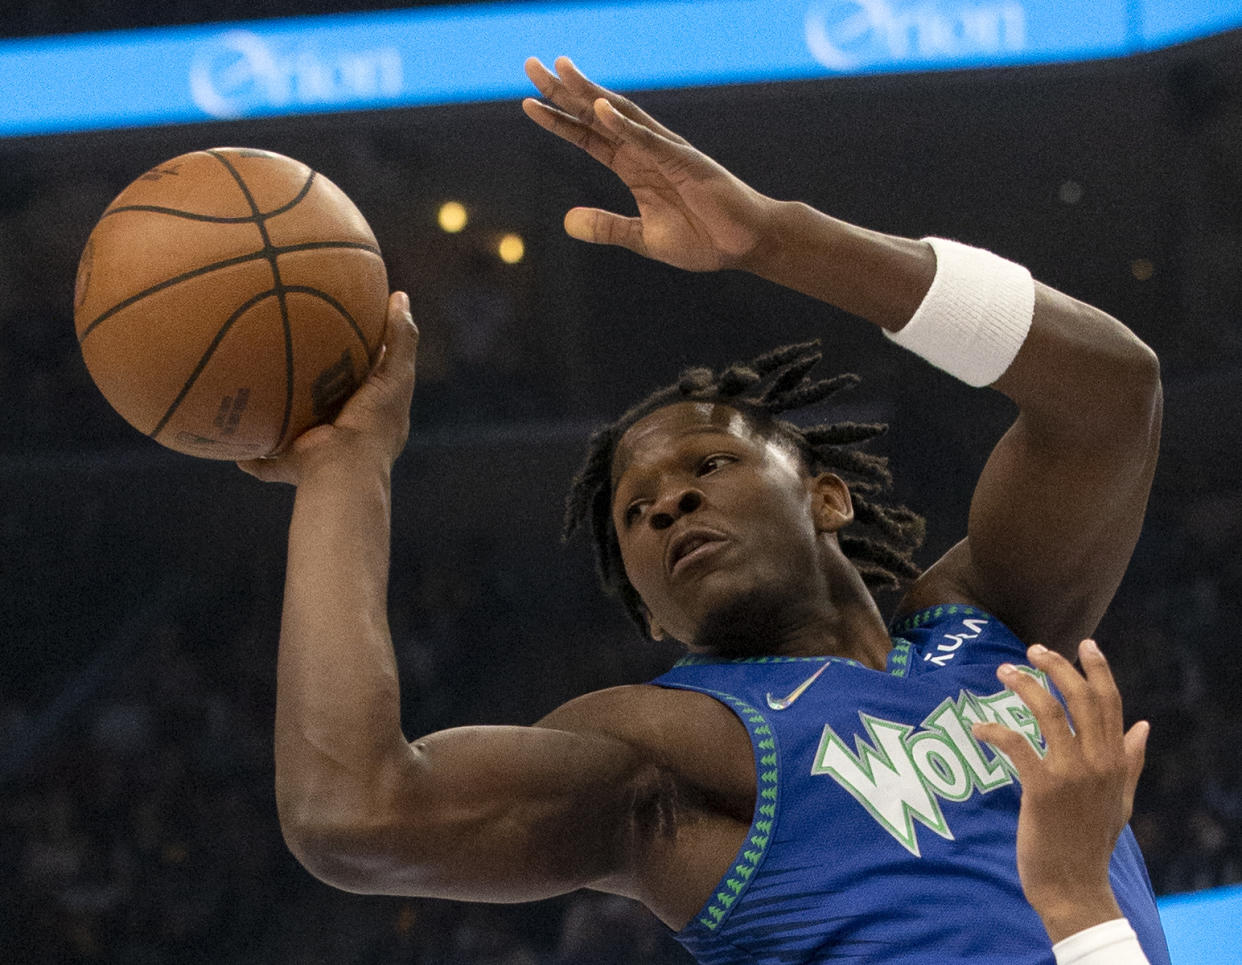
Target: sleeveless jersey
{"points": [[883, 831]]}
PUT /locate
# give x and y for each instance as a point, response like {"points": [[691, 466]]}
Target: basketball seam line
{"points": [[217, 219], [217, 266], [307, 290], [178, 213], [280, 294], [224, 329], [206, 357]]}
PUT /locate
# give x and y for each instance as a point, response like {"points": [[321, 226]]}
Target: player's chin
{"points": [[743, 622]]}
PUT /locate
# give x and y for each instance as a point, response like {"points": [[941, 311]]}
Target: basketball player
{"points": [[807, 784]]}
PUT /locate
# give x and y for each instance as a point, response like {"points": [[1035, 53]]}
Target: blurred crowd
{"points": [[1172, 631]]}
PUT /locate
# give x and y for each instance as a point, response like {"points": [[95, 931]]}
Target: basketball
{"points": [[228, 300]]}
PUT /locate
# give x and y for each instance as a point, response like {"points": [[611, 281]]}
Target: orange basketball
{"points": [[228, 300]]}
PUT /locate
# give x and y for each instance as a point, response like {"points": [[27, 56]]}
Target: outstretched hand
{"points": [[1077, 798], [373, 425], [692, 213]]}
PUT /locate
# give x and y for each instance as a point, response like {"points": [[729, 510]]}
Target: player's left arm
{"points": [[1058, 508]]}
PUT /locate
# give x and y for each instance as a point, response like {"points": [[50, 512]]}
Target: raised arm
{"points": [[1059, 505], [487, 813], [1057, 510]]}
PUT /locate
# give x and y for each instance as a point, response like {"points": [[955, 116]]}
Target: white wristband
{"points": [[974, 317], [1109, 943]]}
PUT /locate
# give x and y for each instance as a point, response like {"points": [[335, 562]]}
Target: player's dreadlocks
{"points": [[761, 389]]}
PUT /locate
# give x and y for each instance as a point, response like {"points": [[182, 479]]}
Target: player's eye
{"points": [[632, 512], [712, 463]]}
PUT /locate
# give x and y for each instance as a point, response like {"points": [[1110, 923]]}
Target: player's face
{"points": [[711, 515]]}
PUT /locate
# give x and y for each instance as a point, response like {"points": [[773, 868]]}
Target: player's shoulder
{"points": [[634, 710], [688, 733], [947, 581]]}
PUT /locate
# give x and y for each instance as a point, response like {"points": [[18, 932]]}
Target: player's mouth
{"points": [[688, 548]]}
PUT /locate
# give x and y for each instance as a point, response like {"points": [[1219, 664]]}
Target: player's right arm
{"points": [[484, 813]]}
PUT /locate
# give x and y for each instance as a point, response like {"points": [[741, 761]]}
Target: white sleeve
{"points": [[1109, 943]]}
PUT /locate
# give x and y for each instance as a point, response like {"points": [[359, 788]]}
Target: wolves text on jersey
{"points": [[904, 772]]}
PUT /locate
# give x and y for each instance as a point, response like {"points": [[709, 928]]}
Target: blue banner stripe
{"points": [[448, 54]]}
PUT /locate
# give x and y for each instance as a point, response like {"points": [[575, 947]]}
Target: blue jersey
{"points": [[883, 831]]}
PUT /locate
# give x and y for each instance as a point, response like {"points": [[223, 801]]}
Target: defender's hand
{"points": [[1076, 799], [692, 213], [373, 425]]}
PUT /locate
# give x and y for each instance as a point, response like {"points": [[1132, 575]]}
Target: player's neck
{"points": [[851, 628], [860, 629], [843, 621]]}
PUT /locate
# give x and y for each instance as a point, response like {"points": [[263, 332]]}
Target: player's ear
{"points": [[831, 503]]}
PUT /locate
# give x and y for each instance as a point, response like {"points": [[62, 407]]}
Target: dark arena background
{"points": [[141, 588]]}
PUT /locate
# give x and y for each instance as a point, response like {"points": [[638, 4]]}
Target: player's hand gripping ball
{"points": [[228, 300]]}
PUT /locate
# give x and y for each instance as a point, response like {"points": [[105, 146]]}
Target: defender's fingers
{"points": [[539, 75], [574, 106], [669, 155], [1102, 684], [585, 88], [595, 143], [1080, 699], [1048, 712], [546, 82], [605, 228], [1010, 743], [1135, 744]]}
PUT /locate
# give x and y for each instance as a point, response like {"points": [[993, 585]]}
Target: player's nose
{"points": [[679, 503]]}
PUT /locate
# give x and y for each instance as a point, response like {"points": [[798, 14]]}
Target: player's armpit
{"points": [[485, 814]]}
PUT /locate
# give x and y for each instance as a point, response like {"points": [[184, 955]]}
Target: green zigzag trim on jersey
{"points": [[697, 660], [900, 657], [738, 878], [934, 613]]}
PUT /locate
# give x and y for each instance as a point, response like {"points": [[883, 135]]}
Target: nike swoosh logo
{"points": [[783, 703]]}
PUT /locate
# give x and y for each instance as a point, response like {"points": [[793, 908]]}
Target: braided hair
{"points": [[773, 383]]}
